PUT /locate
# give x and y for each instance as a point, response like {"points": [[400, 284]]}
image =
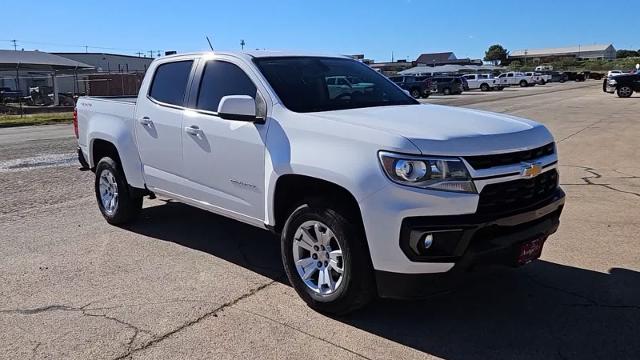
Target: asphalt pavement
{"points": [[182, 283]]}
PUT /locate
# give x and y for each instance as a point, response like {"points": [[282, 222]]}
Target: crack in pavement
{"points": [[84, 310], [589, 301], [190, 323], [588, 180], [301, 331], [581, 130]]}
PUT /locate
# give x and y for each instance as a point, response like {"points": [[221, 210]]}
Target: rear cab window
{"points": [[169, 84]]}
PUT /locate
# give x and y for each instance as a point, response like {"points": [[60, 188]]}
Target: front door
{"points": [[224, 159], [158, 126]]}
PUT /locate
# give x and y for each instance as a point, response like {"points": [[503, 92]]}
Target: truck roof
{"points": [[258, 54]]}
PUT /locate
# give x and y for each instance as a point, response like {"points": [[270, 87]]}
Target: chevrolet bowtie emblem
{"points": [[530, 170]]}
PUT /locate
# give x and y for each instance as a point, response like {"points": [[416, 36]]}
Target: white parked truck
{"points": [[516, 78], [539, 78], [371, 192], [484, 82]]}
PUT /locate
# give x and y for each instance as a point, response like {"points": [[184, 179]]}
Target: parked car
{"points": [[448, 85], [371, 194], [9, 95], [484, 82], [542, 68], [539, 78], [624, 85], [417, 86], [516, 78], [614, 72], [339, 85]]}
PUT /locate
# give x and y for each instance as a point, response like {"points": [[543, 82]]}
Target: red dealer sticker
{"points": [[530, 250]]}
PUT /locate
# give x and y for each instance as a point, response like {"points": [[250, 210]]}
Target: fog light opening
{"points": [[427, 241]]}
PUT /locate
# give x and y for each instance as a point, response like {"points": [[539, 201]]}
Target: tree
{"points": [[496, 53], [620, 54]]}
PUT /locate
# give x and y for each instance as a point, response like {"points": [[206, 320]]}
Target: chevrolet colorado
{"points": [[371, 192]]}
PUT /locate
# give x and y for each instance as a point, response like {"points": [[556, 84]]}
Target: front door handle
{"points": [[145, 121], [193, 130]]}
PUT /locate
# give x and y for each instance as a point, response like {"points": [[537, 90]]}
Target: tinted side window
{"points": [[170, 82], [220, 79]]}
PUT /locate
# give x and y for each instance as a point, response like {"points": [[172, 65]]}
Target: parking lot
{"points": [[184, 283]]}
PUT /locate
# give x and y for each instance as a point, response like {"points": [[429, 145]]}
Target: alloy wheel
{"points": [[318, 257]]}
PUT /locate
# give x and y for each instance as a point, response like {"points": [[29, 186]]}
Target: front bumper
{"points": [[479, 239]]}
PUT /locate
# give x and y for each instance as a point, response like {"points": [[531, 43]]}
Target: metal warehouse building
{"points": [[580, 52]]}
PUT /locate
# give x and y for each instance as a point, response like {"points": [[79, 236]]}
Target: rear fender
{"points": [[121, 134]]}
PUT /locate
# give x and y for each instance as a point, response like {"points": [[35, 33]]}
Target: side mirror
{"points": [[238, 107], [407, 92]]}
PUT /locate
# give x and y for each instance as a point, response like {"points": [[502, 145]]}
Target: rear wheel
{"points": [[115, 200], [446, 91], [484, 87], [542, 82], [326, 259], [624, 91], [415, 92], [524, 83]]}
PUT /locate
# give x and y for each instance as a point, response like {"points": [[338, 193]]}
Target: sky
{"points": [[377, 29]]}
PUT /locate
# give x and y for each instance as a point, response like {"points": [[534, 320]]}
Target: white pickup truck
{"points": [[516, 78], [539, 78], [484, 82], [371, 192]]}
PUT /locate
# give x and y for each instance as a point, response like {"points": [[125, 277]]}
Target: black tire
{"points": [[426, 95], [415, 93], [357, 287], [524, 83], [624, 91], [542, 82], [499, 88], [446, 91], [484, 87], [128, 205]]}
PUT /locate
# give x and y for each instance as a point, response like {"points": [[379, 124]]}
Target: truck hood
{"points": [[444, 130]]}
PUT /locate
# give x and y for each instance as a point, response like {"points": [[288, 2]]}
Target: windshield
{"points": [[310, 84]]}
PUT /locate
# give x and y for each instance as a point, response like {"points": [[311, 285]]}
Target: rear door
{"points": [[158, 125], [224, 159]]}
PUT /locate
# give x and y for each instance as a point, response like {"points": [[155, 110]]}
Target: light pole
{"points": [[242, 43]]}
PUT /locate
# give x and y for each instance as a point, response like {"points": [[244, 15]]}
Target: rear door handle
{"points": [[193, 130], [145, 121]]}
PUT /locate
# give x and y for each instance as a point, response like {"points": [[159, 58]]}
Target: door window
{"points": [[169, 83], [220, 79]]}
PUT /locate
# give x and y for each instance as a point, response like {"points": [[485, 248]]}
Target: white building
{"points": [[580, 52]]}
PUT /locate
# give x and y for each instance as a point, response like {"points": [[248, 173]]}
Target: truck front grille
{"points": [[517, 194], [488, 161]]}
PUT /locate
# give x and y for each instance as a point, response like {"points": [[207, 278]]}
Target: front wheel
{"points": [[415, 93], [326, 259], [542, 82], [484, 87], [446, 91], [523, 83], [117, 204], [624, 91]]}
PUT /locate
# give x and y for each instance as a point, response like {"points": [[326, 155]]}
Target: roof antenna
{"points": [[209, 41]]}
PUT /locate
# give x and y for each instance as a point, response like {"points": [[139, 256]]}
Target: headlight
{"points": [[612, 82], [437, 173]]}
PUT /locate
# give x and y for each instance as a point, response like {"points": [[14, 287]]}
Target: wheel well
{"points": [[291, 190], [102, 148]]}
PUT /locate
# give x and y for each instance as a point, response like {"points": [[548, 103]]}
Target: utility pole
{"points": [[15, 45], [139, 54], [392, 56], [159, 52], [86, 48], [242, 43], [151, 54]]}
